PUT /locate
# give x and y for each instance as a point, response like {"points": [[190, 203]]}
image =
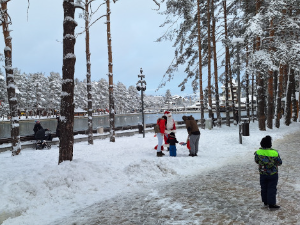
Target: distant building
{"points": [[79, 112]]}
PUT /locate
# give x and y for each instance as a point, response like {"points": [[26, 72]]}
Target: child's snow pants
{"points": [[172, 150]]}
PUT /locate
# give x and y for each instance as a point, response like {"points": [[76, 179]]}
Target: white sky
{"points": [[135, 27]]}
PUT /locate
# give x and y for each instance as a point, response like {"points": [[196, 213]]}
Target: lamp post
{"points": [[141, 86], [237, 42]]}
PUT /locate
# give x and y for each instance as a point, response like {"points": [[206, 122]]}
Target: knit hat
{"points": [[266, 142]]}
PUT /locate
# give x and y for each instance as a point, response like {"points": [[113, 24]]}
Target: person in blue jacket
{"points": [[268, 161]]}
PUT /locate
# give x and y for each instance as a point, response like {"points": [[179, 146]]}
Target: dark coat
{"points": [[40, 134], [58, 129], [172, 140], [37, 127]]}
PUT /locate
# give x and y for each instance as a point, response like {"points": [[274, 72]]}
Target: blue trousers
{"points": [[172, 150], [268, 184]]}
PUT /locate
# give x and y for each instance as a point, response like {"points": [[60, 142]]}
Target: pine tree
{"points": [[67, 96], [219, 120], [88, 73], [200, 64], [110, 76]]}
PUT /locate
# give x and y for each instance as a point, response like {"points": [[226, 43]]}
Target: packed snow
{"points": [[35, 190]]}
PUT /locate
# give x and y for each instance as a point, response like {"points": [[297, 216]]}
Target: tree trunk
{"points": [[88, 74], [227, 61], [270, 84], [200, 65], [288, 97], [10, 83], [260, 87], [67, 94], [209, 61], [252, 98], [219, 120], [278, 98], [294, 101], [110, 75], [247, 73], [247, 83], [299, 99]]}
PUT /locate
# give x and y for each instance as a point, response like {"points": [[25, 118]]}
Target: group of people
{"points": [[166, 132], [266, 157]]}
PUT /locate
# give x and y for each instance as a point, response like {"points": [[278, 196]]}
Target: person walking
{"points": [[194, 134], [172, 141], [268, 161], [160, 135], [236, 117]]}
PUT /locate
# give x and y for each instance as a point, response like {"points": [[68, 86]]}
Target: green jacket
{"points": [[268, 161]]}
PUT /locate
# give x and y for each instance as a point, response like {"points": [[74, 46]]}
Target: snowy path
{"points": [[230, 196]]}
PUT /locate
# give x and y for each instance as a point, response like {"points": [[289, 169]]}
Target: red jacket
{"points": [[162, 125]]}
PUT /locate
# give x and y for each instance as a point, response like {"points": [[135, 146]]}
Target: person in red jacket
{"points": [[162, 127]]}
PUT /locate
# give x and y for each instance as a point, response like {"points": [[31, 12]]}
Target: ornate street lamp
{"points": [[141, 86]]}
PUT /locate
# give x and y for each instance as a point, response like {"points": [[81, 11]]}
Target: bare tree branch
{"points": [[90, 25], [157, 3], [92, 13], [28, 9]]}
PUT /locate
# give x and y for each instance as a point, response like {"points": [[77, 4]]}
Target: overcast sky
{"points": [[37, 46]]}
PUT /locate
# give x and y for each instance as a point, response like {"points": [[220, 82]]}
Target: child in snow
{"points": [[172, 141]]}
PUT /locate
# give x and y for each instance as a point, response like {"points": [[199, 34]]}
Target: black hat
{"points": [[266, 142]]}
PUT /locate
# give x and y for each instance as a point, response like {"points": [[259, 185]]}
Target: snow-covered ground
{"points": [[36, 190]]}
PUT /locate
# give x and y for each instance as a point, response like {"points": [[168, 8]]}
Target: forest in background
{"points": [[260, 38]]}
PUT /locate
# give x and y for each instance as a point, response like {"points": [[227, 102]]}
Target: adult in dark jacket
{"points": [[37, 126], [268, 161], [194, 134], [58, 127], [41, 135]]}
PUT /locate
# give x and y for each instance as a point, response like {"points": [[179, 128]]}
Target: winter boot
{"points": [[159, 154], [274, 207]]}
